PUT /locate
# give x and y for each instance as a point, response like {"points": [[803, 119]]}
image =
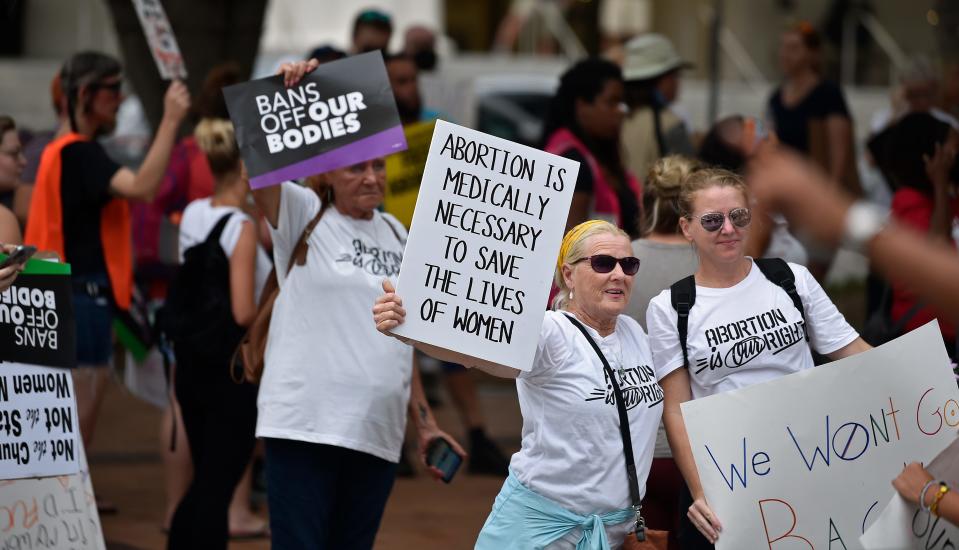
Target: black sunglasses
{"points": [[713, 221], [114, 87], [604, 263]]}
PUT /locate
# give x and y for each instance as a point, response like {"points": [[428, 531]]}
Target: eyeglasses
{"points": [[114, 87], [713, 221], [604, 263]]}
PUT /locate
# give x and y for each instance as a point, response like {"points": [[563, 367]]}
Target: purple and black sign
{"points": [[340, 114]]}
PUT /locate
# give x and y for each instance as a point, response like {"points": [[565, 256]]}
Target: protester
{"points": [[729, 144], [922, 152], [78, 211], [583, 124], [665, 257], [567, 484], [218, 414], [12, 161], [785, 183], [419, 44], [915, 484], [729, 291], [372, 30], [404, 74], [651, 70]]}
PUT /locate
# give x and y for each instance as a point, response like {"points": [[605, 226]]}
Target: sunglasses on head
{"points": [[604, 263], [713, 221]]}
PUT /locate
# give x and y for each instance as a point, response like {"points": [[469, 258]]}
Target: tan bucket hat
{"points": [[651, 55]]}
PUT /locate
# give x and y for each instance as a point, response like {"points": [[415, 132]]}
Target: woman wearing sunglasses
{"points": [[567, 484], [734, 301]]}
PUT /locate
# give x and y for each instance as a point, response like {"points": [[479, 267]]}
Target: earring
{"points": [[570, 294]]}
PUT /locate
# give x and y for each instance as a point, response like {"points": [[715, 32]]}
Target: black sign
{"points": [[340, 114], [37, 326]]}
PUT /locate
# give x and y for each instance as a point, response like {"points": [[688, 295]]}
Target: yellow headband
{"points": [[571, 237]]}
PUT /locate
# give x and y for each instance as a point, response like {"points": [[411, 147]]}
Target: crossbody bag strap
{"points": [[623, 432], [298, 256]]}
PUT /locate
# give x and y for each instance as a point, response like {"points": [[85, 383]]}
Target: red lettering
{"points": [[789, 533]]}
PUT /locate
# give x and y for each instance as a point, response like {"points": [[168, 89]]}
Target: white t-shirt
{"points": [[572, 452], [745, 334], [330, 377], [198, 220]]}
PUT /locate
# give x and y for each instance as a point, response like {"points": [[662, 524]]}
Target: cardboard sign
{"points": [[38, 422], [37, 326], [160, 38], [340, 114], [482, 249], [806, 461], [51, 512], [902, 525], [404, 171]]}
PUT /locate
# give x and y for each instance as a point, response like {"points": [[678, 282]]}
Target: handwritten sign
{"points": [[340, 114], [482, 248], [38, 422], [806, 461], [51, 512], [902, 525], [160, 38], [404, 171], [36, 317]]}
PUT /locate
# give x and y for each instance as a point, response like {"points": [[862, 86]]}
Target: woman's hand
{"points": [[388, 312], [294, 71], [704, 519], [426, 438], [910, 482], [938, 166], [9, 274]]}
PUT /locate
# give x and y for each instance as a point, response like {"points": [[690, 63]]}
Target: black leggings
{"points": [[220, 420]]}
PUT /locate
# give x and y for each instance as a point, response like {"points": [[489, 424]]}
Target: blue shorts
{"points": [[94, 318]]}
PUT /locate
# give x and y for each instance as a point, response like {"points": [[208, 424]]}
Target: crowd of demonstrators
{"points": [[78, 211], [218, 414], [728, 287], [567, 484], [583, 123], [651, 131]]}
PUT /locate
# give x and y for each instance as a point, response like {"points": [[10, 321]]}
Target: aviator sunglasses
{"points": [[712, 221], [604, 263]]}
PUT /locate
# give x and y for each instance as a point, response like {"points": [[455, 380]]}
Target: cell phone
{"points": [[440, 455], [20, 255]]}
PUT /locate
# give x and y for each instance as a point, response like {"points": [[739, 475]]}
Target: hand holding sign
{"points": [[176, 102]]}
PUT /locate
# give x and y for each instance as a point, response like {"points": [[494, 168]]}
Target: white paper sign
{"points": [[160, 39], [483, 243], [904, 526], [807, 461], [52, 512], [39, 426]]}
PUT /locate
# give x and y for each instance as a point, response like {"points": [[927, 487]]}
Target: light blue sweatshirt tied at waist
{"points": [[522, 520]]}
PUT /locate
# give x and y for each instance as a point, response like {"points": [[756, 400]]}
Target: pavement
{"points": [[421, 513]]}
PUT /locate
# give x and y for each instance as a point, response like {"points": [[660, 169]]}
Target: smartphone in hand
{"points": [[440, 455], [20, 255]]}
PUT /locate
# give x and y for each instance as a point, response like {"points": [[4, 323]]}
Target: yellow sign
{"points": [[404, 170]]}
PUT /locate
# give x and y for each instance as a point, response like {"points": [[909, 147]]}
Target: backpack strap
{"points": [[214, 234], [778, 272], [682, 294]]}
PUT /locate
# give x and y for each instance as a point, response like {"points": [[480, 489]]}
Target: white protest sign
{"points": [[806, 461], [902, 525], [38, 422], [160, 39], [51, 512], [483, 243]]}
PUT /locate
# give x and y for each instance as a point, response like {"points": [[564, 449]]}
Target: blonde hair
{"points": [[216, 138], [663, 186], [706, 178], [573, 249]]}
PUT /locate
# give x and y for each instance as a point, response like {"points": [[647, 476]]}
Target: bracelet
{"points": [[943, 489], [922, 494], [863, 222]]}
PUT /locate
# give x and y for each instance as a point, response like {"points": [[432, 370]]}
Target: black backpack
{"points": [[198, 316], [683, 295]]}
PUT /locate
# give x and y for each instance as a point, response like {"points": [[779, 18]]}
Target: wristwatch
{"points": [[864, 221]]}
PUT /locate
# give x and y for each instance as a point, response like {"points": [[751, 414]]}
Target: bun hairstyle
{"points": [[661, 193], [706, 178], [216, 139]]}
